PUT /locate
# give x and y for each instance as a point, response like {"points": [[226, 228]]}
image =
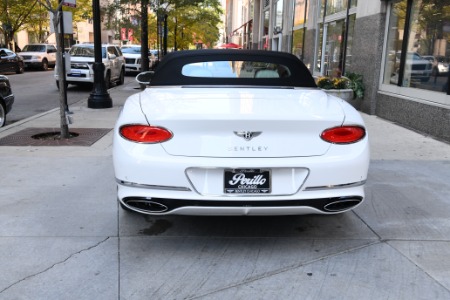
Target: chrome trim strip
{"points": [[152, 187], [338, 186]]}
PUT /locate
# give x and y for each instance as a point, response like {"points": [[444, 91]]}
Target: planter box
{"points": [[345, 94]]}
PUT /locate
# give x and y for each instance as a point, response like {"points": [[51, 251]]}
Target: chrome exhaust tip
{"points": [[145, 205], [341, 205]]}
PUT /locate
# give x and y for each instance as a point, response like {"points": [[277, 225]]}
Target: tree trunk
{"points": [[62, 88], [144, 36]]}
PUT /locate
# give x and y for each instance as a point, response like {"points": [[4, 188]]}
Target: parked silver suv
{"points": [[40, 56], [82, 61]]}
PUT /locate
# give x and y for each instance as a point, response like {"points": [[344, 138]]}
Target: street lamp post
{"points": [[99, 98]]}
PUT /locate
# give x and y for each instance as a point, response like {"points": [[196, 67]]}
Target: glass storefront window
{"points": [[348, 54], [334, 48], [418, 55], [333, 54], [298, 34], [278, 26], [265, 36], [299, 12], [394, 42], [335, 6], [297, 42], [319, 58]]}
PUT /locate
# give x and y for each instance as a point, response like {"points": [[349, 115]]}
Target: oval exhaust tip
{"points": [[338, 206], [146, 206]]}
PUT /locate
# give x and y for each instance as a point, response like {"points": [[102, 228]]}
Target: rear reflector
{"points": [[343, 134], [145, 133]]}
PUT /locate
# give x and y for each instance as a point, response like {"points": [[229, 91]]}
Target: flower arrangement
{"points": [[352, 81], [333, 83]]}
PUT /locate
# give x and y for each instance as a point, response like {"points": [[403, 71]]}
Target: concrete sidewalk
{"points": [[63, 236]]}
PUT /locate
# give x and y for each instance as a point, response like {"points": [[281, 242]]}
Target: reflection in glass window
{"points": [[299, 12], [335, 6], [335, 42], [297, 42], [334, 48], [394, 42], [279, 17], [351, 27], [235, 69], [424, 64], [319, 57]]}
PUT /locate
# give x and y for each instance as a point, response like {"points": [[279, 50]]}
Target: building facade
{"points": [[401, 47]]}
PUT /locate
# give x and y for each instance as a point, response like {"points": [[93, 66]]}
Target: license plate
{"points": [[247, 181]]}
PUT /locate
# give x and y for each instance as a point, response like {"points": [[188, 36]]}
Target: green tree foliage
{"points": [[188, 21], [32, 15], [14, 16], [194, 23]]}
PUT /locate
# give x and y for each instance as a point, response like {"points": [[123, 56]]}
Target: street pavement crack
{"points": [[279, 271], [54, 265]]}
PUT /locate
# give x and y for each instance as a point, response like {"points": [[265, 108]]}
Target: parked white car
{"points": [[82, 60], [40, 56], [132, 54], [238, 132]]}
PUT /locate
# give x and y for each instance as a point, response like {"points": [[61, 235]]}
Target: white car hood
{"points": [[210, 121]]}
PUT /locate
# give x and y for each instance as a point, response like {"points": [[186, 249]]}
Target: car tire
{"points": [[108, 80], [121, 78], [20, 68], [2, 115], [44, 65]]}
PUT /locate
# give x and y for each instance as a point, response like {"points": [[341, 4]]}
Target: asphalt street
{"points": [[63, 236]]}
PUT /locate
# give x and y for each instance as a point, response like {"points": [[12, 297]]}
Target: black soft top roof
{"points": [[169, 70]]}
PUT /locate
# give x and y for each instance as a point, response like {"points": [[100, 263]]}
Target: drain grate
{"points": [[81, 137]]}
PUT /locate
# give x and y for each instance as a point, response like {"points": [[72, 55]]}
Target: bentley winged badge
{"points": [[247, 135]]}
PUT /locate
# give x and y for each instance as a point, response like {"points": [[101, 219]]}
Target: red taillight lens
{"points": [[145, 133], [343, 135]]}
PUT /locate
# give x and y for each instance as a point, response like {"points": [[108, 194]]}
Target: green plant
{"points": [[356, 84]]}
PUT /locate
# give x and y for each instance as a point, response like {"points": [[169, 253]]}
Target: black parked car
{"points": [[10, 61], [6, 98]]}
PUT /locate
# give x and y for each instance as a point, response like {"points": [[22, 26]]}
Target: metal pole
{"points": [[99, 98], [165, 34], [145, 62]]}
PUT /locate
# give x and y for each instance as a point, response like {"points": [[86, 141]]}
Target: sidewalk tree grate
{"points": [[48, 137]]}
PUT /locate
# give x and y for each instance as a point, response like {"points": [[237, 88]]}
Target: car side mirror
{"points": [[112, 56]]}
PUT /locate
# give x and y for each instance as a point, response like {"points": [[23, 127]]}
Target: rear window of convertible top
{"points": [[235, 69]]}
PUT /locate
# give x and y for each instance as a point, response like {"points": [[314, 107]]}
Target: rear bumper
{"points": [[132, 68], [161, 206]]}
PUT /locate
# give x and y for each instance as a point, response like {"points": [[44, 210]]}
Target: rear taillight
{"points": [[343, 134], [145, 133]]}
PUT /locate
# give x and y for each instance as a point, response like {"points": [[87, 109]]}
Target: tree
{"points": [[187, 20], [14, 16], [193, 23], [190, 21], [55, 9]]}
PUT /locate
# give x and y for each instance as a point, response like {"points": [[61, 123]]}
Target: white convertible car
{"points": [[238, 132]]}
